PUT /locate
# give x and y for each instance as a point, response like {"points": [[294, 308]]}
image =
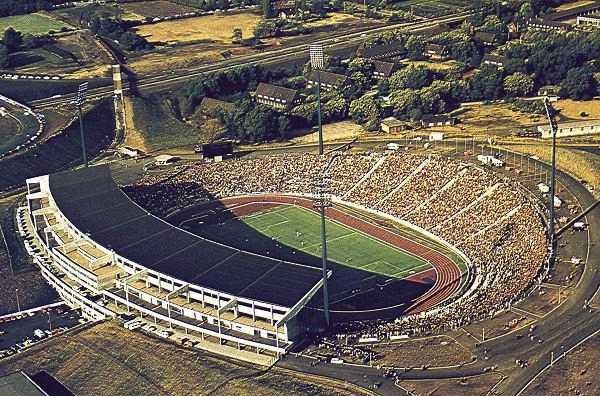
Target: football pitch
{"points": [[300, 229]]}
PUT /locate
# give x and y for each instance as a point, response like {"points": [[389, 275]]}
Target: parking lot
{"points": [[19, 333]]}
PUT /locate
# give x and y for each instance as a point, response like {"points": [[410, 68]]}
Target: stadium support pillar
{"points": [[169, 313], [253, 312], [159, 284], [127, 296], [203, 303]]}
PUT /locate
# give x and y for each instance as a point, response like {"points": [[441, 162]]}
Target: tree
{"points": [[415, 45], [365, 110], [237, 35], [267, 7], [3, 55], [487, 84], [12, 39], [415, 77], [579, 83], [518, 84], [317, 7]]}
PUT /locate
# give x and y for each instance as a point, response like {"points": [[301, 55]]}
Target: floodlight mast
{"points": [[321, 195], [81, 94], [322, 200], [553, 131], [317, 61]]}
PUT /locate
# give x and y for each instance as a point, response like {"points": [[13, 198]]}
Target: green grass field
{"points": [[300, 228], [36, 24]]}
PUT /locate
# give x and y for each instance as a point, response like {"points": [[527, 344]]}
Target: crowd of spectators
{"points": [[486, 216]]}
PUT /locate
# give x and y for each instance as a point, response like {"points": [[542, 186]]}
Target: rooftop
{"points": [[275, 91], [94, 204]]}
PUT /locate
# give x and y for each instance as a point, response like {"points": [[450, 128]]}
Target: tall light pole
{"points": [[18, 304], [321, 196], [317, 61], [553, 130], [81, 94]]}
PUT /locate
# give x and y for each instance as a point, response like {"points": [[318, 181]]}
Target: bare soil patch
{"points": [[577, 374], [473, 386], [499, 325], [343, 130], [433, 352]]}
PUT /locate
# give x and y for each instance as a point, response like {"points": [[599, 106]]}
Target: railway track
{"points": [[339, 42]]}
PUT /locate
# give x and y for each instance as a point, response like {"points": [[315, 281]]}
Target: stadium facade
{"points": [[108, 256]]}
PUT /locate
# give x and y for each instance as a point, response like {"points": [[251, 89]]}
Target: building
{"points": [[549, 90], [20, 383], [328, 80], [381, 51], [436, 52], [588, 21], [436, 136], [165, 159], [570, 13], [384, 69], [486, 38], [437, 121], [577, 128], [547, 25], [392, 125], [494, 60], [280, 98], [109, 257]]}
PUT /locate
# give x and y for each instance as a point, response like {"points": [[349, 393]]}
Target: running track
{"points": [[447, 273]]}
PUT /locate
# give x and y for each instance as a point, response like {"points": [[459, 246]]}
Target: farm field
{"points": [[299, 229], [209, 28], [35, 24], [153, 9]]}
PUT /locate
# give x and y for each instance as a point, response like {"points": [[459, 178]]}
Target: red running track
{"points": [[447, 272]]}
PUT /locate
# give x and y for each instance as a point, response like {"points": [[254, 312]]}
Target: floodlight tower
{"points": [[79, 101], [553, 130], [321, 196], [317, 61]]}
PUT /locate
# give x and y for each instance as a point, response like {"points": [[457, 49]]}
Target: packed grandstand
{"points": [[485, 215]]}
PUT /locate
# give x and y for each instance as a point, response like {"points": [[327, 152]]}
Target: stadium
{"points": [[229, 251]]}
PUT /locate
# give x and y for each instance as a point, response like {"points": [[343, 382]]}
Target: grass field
{"points": [[210, 27], [299, 228], [36, 24], [152, 126]]}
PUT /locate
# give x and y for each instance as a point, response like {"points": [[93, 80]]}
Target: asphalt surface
{"points": [[17, 331]]}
